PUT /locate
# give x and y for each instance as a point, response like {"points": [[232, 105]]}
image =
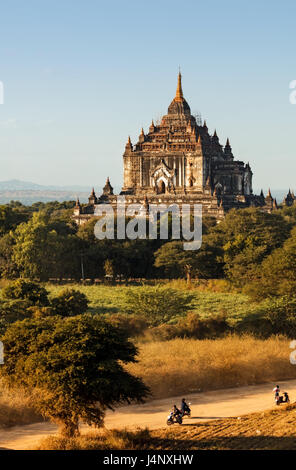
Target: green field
{"points": [[111, 299]]}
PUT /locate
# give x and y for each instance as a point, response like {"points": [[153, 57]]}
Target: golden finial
{"points": [[179, 92]]}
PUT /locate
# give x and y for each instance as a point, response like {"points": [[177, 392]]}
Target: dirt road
{"points": [[205, 406]]}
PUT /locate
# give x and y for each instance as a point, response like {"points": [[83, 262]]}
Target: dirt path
{"points": [[205, 406]]}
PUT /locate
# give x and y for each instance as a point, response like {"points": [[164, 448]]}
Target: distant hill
{"points": [[18, 185], [28, 193]]}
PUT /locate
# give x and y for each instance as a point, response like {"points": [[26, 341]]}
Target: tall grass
{"points": [[181, 366], [101, 439], [16, 407]]}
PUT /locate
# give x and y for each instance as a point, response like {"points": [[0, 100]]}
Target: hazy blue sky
{"points": [[80, 76]]}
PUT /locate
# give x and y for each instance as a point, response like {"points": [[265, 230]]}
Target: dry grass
{"points": [[183, 366], [270, 430], [100, 439], [186, 365], [16, 408], [203, 285]]}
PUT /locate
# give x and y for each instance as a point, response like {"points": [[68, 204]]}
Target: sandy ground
{"points": [[205, 406]]}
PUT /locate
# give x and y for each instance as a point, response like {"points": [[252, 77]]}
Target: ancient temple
{"points": [[178, 161]]}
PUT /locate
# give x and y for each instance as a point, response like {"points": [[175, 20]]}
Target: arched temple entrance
{"points": [[160, 187]]}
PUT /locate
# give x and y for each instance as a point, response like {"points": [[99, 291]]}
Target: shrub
{"points": [[13, 310], [133, 325], [273, 316], [191, 326], [26, 290], [157, 304], [69, 302]]}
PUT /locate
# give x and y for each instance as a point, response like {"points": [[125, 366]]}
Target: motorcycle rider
{"points": [[176, 411], [184, 407], [276, 391], [286, 398]]}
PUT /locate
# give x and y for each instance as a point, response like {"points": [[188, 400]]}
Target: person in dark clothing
{"points": [[276, 391], [176, 411], [184, 407]]}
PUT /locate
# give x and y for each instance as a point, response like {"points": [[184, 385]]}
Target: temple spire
{"points": [[179, 91]]}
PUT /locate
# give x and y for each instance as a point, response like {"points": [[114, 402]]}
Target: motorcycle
{"points": [[171, 419], [279, 399]]}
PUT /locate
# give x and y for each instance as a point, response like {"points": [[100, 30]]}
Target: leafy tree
{"points": [[203, 263], [26, 290], [45, 248], [247, 237], [109, 268], [157, 304], [76, 366], [8, 268], [274, 316], [277, 275], [175, 260], [129, 258], [10, 217], [281, 315], [69, 302]]}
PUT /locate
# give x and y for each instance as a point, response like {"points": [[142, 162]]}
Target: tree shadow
{"points": [[102, 309], [210, 417]]}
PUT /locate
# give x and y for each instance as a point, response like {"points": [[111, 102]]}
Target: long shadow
{"points": [[211, 417]]}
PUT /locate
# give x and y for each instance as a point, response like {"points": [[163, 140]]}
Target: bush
{"points": [[68, 303], [133, 325], [157, 304], [274, 316], [26, 290], [191, 326], [13, 310]]}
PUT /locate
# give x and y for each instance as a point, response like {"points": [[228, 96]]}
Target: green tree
{"points": [[203, 263], [157, 304], [69, 302], [175, 260], [277, 276], [109, 268], [22, 289], [247, 237], [74, 365], [10, 217], [8, 268], [45, 248]]}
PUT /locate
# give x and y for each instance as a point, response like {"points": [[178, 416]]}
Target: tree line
{"points": [[249, 247]]}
